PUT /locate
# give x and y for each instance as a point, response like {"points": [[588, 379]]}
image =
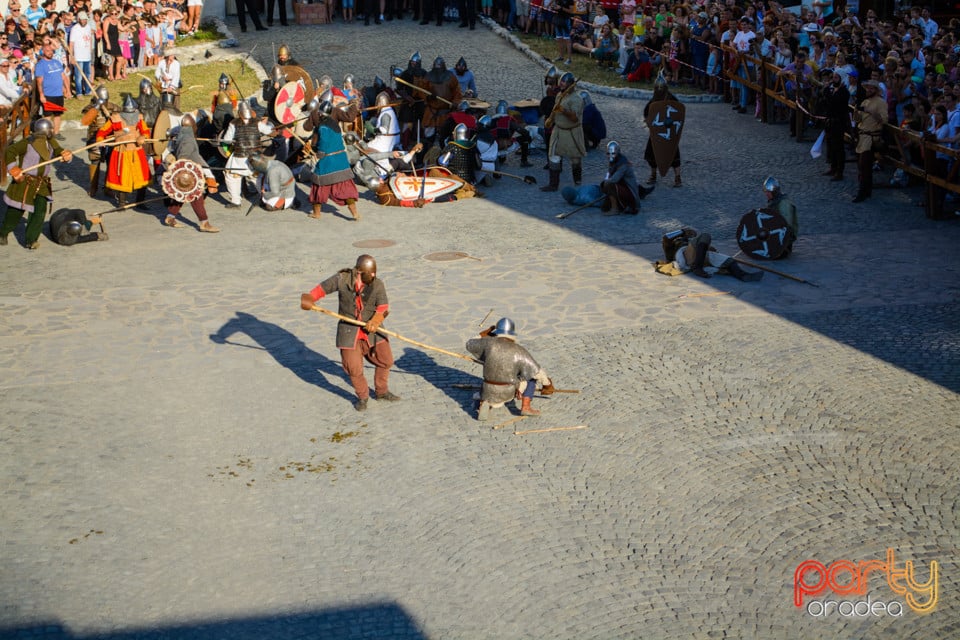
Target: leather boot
{"points": [[577, 174], [643, 192], [653, 176], [554, 180], [316, 212], [697, 266], [676, 177], [524, 156], [743, 276], [94, 179], [527, 410]]}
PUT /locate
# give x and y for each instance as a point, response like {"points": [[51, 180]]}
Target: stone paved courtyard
{"points": [[181, 459]]}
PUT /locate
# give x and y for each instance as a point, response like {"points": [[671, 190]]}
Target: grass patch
{"points": [[205, 34], [199, 81], [585, 68]]}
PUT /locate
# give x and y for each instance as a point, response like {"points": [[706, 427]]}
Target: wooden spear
{"points": [[774, 271], [387, 332]]}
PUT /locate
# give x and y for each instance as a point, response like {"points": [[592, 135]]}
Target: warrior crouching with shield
{"points": [[509, 371]]}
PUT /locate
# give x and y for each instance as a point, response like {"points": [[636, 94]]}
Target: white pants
{"points": [[238, 171]]}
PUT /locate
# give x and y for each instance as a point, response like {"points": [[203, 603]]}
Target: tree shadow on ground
{"points": [[374, 620], [287, 349]]}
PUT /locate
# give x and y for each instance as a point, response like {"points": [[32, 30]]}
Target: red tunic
{"points": [[128, 169]]}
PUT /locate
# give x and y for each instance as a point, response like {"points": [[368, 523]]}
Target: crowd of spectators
{"points": [[107, 42]]}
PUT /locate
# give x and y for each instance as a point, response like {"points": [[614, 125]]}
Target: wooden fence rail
{"points": [[771, 91]]}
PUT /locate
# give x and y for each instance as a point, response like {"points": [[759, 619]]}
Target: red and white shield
{"points": [[289, 105]]}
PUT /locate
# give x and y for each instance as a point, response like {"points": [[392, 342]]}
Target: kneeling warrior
{"points": [[509, 371]]}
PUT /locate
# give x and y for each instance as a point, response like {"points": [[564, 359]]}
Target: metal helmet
{"points": [[378, 83], [485, 123], [374, 183], [771, 185], [553, 73], [223, 81], [43, 127], [348, 81], [244, 111], [103, 95], [325, 107], [461, 133], [585, 96], [461, 64], [367, 267], [68, 232], [445, 158], [258, 162], [325, 83], [439, 64], [660, 83], [189, 121], [567, 79], [505, 329], [383, 99], [283, 53], [502, 108], [311, 105], [350, 137], [613, 150], [277, 74], [146, 87], [129, 104], [415, 60]]}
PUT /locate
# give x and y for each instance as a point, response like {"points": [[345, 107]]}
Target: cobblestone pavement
{"points": [[180, 458]]}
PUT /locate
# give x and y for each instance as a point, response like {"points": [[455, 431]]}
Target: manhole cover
{"points": [[373, 244], [446, 256]]}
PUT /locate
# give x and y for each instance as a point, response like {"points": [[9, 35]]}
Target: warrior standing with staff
{"points": [[332, 177], [30, 191], [95, 115], [362, 296], [128, 170], [566, 139]]}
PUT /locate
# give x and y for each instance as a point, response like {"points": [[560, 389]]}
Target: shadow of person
{"points": [[440, 376], [288, 350]]}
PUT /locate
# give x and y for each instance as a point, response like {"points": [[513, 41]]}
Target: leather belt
{"points": [[499, 384]]}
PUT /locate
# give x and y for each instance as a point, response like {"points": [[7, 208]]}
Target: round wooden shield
{"points": [[184, 181], [763, 234], [478, 105], [295, 73], [527, 104], [163, 125], [289, 105]]}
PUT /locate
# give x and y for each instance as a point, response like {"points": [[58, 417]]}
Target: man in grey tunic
{"points": [[509, 371], [278, 188]]}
